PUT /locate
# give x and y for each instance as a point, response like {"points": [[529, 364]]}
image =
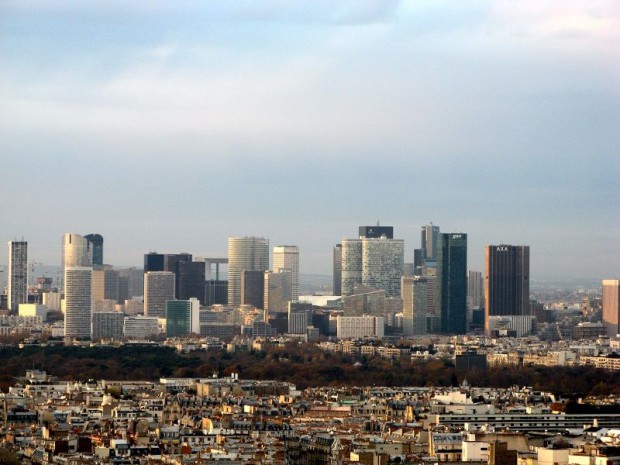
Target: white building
{"points": [[356, 327], [244, 253], [78, 301], [18, 274], [158, 287], [76, 251], [286, 257], [373, 262], [108, 325]]}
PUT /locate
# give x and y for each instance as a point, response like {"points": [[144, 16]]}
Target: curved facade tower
{"points": [[244, 253], [76, 251]]}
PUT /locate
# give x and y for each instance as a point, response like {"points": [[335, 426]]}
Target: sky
{"points": [[171, 126]]}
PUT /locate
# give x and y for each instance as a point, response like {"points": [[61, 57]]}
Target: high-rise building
{"points": [[108, 325], [105, 284], [278, 291], [376, 232], [507, 283], [191, 280], [299, 317], [452, 282], [76, 251], [430, 242], [382, 264], [78, 301], [97, 245], [351, 265], [18, 274], [337, 270], [153, 261], [253, 288], [244, 253], [372, 262], [182, 317], [475, 289], [611, 306], [140, 327], [286, 257], [414, 294], [158, 288]]}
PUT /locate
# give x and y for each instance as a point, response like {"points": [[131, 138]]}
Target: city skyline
{"points": [[173, 127]]}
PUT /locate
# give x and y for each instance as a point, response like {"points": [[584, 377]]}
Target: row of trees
{"points": [[304, 365]]}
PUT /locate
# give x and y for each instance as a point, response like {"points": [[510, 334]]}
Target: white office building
{"points": [[356, 327], [78, 301]]}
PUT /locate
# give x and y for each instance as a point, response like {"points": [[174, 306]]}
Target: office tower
{"points": [[286, 257], [507, 285], [158, 287], [337, 270], [173, 263], [182, 317], [78, 301], [216, 290], [372, 262], [351, 265], [414, 294], [191, 280], [418, 260], [278, 291], [133, 282], [452, 282], [299, 317], [375, 232], [356, 327], [253, 288], [244, 253], [97, 245], [611, 306], [76, 251], [475, 289], [430, 242], [153, 261], [382, 264], [140, 327], [105, 284], [18, 274], [108, 325]]}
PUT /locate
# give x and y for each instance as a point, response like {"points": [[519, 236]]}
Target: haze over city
{"points": [[173, 127]]}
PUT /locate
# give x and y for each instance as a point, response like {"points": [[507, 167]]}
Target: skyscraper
{"points": [[351, 265], [507, 284], [78, 301], [244, 253], [182, 317], [158, 287], [76, 251], [253, 288], [97, 245], [286, 257], [414, 294], [452, 282], [337, 270], [153, 261], [373, 262], [382, 264], [18, 274], [375, 232], [611, 306], [278, 291], [430, 242]]}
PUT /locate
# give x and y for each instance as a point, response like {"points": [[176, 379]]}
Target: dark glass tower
{"points": [[97, 241], [452, 282], [376, 232], [153, 261], [507, 285]]}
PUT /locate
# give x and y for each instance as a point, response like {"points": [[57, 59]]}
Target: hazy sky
{"points": [[171, 127]]}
